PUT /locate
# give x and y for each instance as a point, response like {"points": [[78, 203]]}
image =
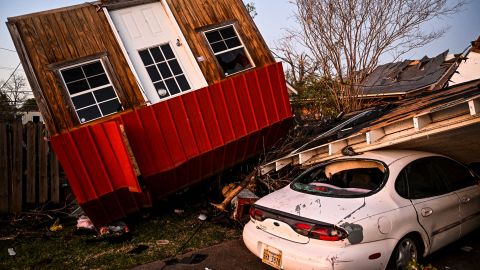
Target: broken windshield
{"points": [[345, 178]]}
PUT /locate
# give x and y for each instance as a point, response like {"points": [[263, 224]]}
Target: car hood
{"points": [[330, 210]]}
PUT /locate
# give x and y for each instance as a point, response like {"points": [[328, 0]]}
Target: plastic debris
{"points": [[179, 211], [11, 252], [467, 248], [117, 228], [162, 242], [202, 217], [56, 226], [84, 222], [206, 268]]}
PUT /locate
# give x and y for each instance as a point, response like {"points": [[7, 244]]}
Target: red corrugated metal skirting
{"points": [[176, 142]]}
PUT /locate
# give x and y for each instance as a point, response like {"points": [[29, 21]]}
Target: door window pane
{"points": [[456, 175], [91, 91], [423, 179], [165, 71]]}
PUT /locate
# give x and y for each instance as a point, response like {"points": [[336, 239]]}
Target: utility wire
{"points": [[5, 49], [11, 75]]}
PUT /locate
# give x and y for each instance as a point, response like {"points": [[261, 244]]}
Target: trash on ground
{"points": [[241, 204], [117, 228], [84, 222], [179, 211], [162, 242], [202, 217], [467, 248], [11, 252], [56, 226]]}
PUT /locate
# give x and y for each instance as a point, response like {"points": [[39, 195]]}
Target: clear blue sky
{"points": [[273, 17]]}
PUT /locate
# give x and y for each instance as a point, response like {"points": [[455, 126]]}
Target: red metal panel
{"points": [[210, 119], [91, 159], [196, 121], [245, 103], [233, 108], [176, 142], [183, 127], [220, 109], [268, 96], [170, 134]]}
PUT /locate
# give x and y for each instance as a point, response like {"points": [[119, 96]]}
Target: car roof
{"points": [[390, 156]]}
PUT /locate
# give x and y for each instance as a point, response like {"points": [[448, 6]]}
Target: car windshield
{"points": [[345, 178]]}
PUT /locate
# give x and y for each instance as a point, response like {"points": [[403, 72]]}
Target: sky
{"points": [[273, 17]]}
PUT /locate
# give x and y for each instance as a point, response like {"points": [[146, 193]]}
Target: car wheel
{"points": [[405, 251]]}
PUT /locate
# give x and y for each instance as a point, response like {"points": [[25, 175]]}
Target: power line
{"points": [[8, 50], [11, 75]]}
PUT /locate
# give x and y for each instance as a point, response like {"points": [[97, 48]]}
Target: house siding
{"points": [[196, 16], [60, 36]]}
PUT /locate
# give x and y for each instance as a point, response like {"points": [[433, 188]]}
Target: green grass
{"points": [[37, 248]]}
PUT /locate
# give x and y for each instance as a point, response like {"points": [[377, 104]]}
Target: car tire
{"points": [[406, 250]]}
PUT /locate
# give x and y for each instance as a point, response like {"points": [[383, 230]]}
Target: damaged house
{"points": [[142, 98], [430, 105]]}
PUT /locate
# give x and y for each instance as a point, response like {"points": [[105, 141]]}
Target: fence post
{"points": [[42, 165], [31, 166], [17, 168], [3, 169]]}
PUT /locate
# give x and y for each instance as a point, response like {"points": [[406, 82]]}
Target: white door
{"points": [[164, 64]]}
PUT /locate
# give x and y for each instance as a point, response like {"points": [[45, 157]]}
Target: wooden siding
{"points": [[195, 16], [49, 39]]}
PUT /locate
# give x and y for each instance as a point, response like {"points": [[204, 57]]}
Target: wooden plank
{"points": [[54, 178], [17, 169], [4, 178], [42, 165], [32, 77], [31, 170]]}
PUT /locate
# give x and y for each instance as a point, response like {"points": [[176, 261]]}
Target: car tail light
{"points": [[327, 233], [302, 228], [256, 214]]}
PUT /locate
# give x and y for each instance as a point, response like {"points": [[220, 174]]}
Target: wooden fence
{"points": [[29, 171]]}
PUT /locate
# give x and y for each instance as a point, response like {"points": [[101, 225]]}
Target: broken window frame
{"points": [[295, 184], [81, 63], [217, 54]]}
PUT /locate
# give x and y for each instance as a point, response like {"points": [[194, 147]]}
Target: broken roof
{"points": [[409, 76], [445, 121]]}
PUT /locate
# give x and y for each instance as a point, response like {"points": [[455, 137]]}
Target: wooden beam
{"points": [[4, 179], [16, 197], [336, 147], [303, 157], [280, 164], [267, 168], [474, 106], [421, 121], [375, 135], [31, 163]]}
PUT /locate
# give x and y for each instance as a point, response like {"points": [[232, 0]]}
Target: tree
{"points": [[13, 93], [345, 39], [252, 10]]}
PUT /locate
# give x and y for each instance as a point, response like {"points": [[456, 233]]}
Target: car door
{"points": [[437, 207], [466, 185]]}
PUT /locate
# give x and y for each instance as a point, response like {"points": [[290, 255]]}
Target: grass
{"points": [[37, 248]]}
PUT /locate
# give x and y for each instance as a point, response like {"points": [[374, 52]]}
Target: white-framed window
{"points": [[164, 70], [91, 90], [228, 49]]}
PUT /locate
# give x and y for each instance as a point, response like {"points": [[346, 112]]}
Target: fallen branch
{"points": [[234, 192]]}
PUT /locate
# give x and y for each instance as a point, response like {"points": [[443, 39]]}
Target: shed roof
{"points": [[409, 76]]}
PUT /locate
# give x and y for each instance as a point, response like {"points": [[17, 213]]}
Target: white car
{"points": [[377, 210]]}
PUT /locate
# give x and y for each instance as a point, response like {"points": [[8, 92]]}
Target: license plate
{"points": [[272, 257]]}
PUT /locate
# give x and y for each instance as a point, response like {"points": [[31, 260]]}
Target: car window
{"points": [[422, 179], [456, 175], [345, 178]]}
